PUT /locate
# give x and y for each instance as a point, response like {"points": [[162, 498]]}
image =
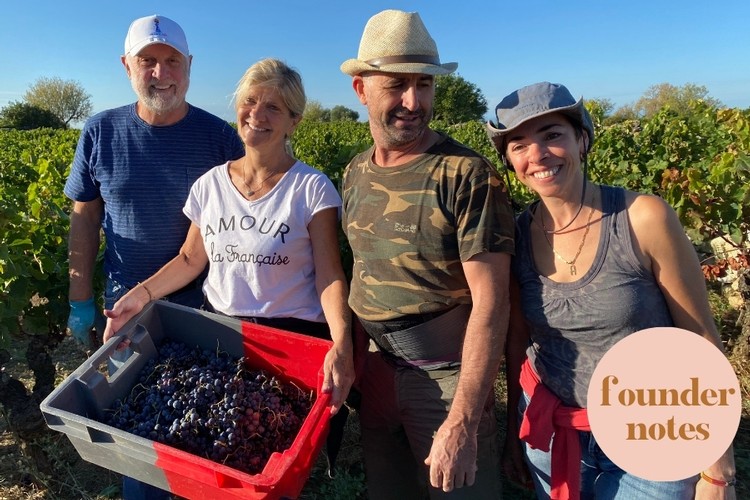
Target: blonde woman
{"points": [[266, 226]]}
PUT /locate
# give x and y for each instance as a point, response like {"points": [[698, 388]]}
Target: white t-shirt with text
{"points": [[259, 251]]}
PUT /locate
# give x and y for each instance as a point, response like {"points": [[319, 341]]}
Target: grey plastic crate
{"points": [[76, 407]]}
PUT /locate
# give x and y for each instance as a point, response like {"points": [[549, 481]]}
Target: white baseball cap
{"points": [[155, 29]]}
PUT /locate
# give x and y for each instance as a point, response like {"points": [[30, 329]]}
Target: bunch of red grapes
{"points": [[211, 405]]}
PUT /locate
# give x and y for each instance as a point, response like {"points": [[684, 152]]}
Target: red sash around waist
{"points": [[546, 416]]}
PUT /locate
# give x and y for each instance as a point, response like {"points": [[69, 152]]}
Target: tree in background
{"points": [[665, 95], [66, 99], [343, 114], [25, 116], [599, 109], [457, 100], [315, 112]]}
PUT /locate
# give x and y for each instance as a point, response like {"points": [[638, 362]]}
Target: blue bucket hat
{"points": [[533, 101]]}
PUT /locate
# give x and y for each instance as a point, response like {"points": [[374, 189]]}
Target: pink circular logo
{"points": [[664, 404]]}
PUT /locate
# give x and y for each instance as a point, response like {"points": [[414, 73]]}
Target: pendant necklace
{"points": [[250, 191], [571, 263]]}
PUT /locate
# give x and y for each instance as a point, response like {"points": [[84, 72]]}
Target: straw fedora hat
{"points": [[397, 42]]}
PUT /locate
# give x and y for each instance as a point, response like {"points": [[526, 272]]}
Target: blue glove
{"points": [[81, 320]]}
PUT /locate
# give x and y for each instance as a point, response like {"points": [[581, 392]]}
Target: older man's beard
{"points": [[395, 136], [156, 101]]}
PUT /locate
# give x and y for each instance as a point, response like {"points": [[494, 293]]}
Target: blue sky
{"points": [[597, 48]]}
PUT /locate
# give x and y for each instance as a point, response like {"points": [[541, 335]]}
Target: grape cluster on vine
{"points": [[212, 405]]}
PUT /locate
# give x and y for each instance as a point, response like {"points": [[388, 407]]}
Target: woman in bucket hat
{"points": [[431, 230], [594, 263]]}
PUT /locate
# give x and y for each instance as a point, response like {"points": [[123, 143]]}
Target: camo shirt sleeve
{"points": [[411, 227]]}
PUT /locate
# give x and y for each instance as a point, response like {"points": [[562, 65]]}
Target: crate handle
{"points": [[108, 365]]}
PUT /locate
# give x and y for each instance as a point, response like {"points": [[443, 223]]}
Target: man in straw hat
{"points": [[431, 229]]}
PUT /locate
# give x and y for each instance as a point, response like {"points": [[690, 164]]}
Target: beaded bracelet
{"points": [[718, 482]]}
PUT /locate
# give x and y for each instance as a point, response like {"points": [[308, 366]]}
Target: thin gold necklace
{"points": [[571, 263], [250, 191]]}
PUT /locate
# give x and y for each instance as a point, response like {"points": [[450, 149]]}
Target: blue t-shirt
{"points": [[143, 173]]}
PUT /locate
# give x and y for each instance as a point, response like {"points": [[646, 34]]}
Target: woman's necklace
{"points": [[571, 263], [566, 226], [250, 191]]}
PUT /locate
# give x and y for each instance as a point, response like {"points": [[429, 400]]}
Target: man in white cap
{"points": [[431, 229], [132, 171]]}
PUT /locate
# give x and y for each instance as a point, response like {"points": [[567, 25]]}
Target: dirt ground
{"points": [[65, 475]]}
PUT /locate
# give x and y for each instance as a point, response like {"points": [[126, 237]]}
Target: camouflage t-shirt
{"points": [[410, 228]]}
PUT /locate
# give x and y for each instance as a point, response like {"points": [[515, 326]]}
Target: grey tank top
{"points": [[573, 324]]}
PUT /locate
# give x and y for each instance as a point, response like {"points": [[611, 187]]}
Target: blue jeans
{"points": [[132, 489], [602, 479]]}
